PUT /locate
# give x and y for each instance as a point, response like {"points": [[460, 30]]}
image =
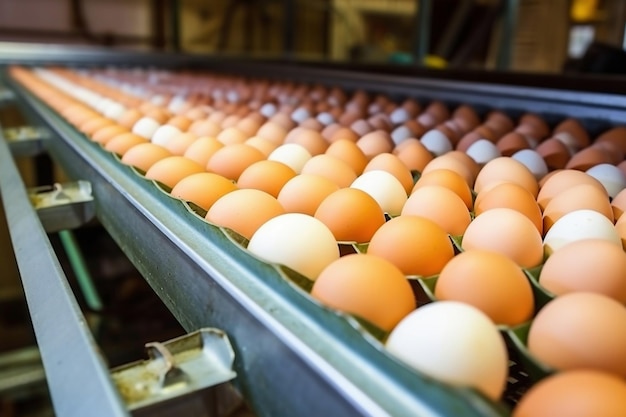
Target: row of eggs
{"points": [[353, 210]]}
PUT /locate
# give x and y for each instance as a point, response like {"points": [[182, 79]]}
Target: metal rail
{"points": [[293, 357], [78, 378]]}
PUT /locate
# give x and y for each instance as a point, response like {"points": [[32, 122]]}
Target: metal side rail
{"points": [[77, 376]]}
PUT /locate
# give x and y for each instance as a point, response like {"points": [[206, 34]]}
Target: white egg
{"points": [[533, 161], [400, 133], [300, 114], [145, 127], [579, 225], [164, 134], [483, 151], [114, 110], [610, 176], [292, 155], [436, 142], [383, 187], [268, 110], [462, 347], [399, 115], [325, 118], [299, 241]]}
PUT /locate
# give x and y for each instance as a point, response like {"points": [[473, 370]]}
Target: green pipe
{"points": [[80, 270]]}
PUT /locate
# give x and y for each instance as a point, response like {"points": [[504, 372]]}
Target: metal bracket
{"points": [[26, 140], [63, 206], [186, 365]]}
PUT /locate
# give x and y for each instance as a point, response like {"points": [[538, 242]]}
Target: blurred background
{"points": [[512, 35]]}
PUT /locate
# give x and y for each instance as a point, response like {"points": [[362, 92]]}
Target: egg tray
{"points": [[524, 369], [356, 345]]}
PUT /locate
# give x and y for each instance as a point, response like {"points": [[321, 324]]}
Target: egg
{"points": [[204, 127], [564, 180], [483, 151], [146, 127], [231, 160], [163, 134], [170, 170], [105, 134], [292, 155], [463, 347], [579, 225], [592, 265], [580, 330], [579, 197], [618, 204], [120, 144], [576, 393], [416, 245], [452, 164], [144, 155], [202, 189], [365, 286], [589, 157], [489, 281], [202, 149], [351, 214], [330, 167], [440, 205], [413, 154], [373, 143], [350, 153], [505, 169], [513, 196], [289, 239], [436, 142], [304, 193], [533, 161], [611, 177], [264, 145], [94, 124], [448, 179], [268, 176], [511, 143], [554, 153], [385, 188], [244, 211], [507, 232], [392, 164]]}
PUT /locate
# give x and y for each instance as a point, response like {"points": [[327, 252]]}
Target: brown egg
{"points": [[374, 143], [534, 126], [312, 123], [612, 150], [244, 210], [587, 158], [80, 115], [507, 232], [448, 179], [577, 197], [577, 393], [144, 155], [452, 164], [437, 110], [340, 133], [350, 153], [181, 122], [441, 206], [381, 121], [554, 152], [580, 330], [332, 168], [202, 149], [513, 196], [231, 135], [203, 189], [351, 214], [562, 181], [309, 139], [618, 204], [489, 281], [504, 169], [169, 171], [105, 134], [572, 134], [466, 118], [196, 113], [283, 120], [593, 265], [230, 121], [305, 192], [511, 143], [620, 228], [93, 125], [204, 127], [264, 145], [413, 154], [268, 176], [273, 132], [366, 286], [231, 160], [392, 164], [616, 136], [123, 142], [499, 123], [179, 144]]}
